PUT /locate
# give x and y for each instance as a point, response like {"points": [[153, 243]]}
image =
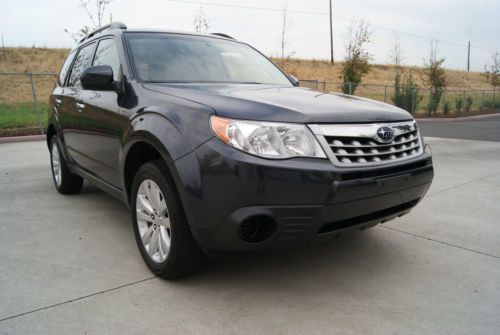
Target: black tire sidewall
{"points": [[70, 183]]}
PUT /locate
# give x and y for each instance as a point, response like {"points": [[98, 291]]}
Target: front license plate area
{"points": [[393, 183]]}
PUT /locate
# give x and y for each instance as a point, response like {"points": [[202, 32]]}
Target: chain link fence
{"points": [[453, 101], [24, 99], [24, 102]]}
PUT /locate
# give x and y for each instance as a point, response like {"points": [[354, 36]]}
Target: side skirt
{"points": [[101, 184]]}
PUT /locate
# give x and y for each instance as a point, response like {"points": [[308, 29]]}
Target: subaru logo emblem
{"points": [[385, 134]]}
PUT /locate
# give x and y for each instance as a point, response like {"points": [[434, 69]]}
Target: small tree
{"points": [[434, 76], [406, 93], [396, 55], [492, 70], [356, 63], [95, 10], [282, 38], [201, 23]]}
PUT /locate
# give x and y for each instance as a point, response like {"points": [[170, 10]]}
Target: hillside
{"points": [[379, 75], [15, 89]]}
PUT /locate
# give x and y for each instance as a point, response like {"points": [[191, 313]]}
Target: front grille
{"points": [[355, 145]]}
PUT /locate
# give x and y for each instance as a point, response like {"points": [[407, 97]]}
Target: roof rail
{"points": [[222, 35], [112, 25]]}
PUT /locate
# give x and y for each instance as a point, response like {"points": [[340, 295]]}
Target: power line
{"points": [[209, 3]]}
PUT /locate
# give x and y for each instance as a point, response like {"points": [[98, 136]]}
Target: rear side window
{"points": [[65, 68], [107, 54], [81, 63]]}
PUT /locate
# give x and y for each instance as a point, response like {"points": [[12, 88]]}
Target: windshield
{"points": [[172, 58]]}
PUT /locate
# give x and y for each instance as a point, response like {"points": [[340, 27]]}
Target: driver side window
{"points": [[107, 54], [81, 63]]}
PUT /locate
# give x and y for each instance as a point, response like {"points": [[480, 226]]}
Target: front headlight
{"points": [[267, 139]]}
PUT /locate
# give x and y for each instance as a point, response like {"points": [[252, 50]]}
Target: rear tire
{"points": [[64, 181], [160, 226]]}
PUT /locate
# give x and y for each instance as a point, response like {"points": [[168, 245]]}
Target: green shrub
{"points": [[406, 94], [490, 104], [459, 103], [468, 104], [446, 107]]}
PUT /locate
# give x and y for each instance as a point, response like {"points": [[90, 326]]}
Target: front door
{"points": [[102, 122], [71, 108]]}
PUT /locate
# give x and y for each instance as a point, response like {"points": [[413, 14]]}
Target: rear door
{"points": [[102, 121], [71, 106], [58, 96]]}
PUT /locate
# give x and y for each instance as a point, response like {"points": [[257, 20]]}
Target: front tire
{"points": [[64, 181], [160, 226]]}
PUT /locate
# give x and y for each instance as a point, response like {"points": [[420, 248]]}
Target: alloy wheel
{"points": [[153, 221], [56, 165]]}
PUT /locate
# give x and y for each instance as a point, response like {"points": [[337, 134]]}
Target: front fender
{"points": [[168, 140]]}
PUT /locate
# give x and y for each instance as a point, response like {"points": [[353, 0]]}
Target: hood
{"points": [[285, 104]]}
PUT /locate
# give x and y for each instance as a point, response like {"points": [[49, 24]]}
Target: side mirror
{"points": [[294, 80], [98, 78]]}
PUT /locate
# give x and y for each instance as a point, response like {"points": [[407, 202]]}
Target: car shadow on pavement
{"points": [[352, 260], [363, 255]]}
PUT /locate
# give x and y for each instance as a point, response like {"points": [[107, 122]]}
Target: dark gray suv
{"points": [[213, 147]]}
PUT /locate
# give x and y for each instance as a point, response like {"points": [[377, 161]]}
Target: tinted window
{"points": [[65, 68], [81, 63], [107, 54], [181, 58]]}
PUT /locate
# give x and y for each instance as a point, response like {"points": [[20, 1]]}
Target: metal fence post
{"points": [[350, 88], [324, 85], [35, 101], [385, 93]]}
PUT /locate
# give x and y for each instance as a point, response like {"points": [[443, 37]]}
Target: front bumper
{"points": [[308, 199]]}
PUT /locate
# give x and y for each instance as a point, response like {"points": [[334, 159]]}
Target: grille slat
{"points": [[374, 145], [414, 146], [360, 145]]}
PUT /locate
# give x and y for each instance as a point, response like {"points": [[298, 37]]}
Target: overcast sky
{"points": [[452, 22]]}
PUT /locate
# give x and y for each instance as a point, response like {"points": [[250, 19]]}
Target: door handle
{"points": [[80, 106]]}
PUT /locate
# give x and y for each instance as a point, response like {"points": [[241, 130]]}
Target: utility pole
{"points": [[331, 35], [468, 57]]}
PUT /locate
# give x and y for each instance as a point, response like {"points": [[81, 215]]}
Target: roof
{"points": [[115, 27]]}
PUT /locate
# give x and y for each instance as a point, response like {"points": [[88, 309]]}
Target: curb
{"points": [[463, 118], [15, 139]]}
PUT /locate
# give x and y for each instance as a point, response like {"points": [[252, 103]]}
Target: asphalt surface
{"points": [[70, 265], [484, 128]]}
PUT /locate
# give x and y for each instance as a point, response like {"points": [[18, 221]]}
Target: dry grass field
{"points": [[16, 107], [379, 75], [17, 89]]}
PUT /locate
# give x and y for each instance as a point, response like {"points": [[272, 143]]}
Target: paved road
{"points": [[481, 129], [70, 265]]}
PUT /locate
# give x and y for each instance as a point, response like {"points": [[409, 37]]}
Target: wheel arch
{"points": [[140, 149]]}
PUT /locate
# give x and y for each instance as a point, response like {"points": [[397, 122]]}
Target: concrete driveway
{"points": [[70, 265]]}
